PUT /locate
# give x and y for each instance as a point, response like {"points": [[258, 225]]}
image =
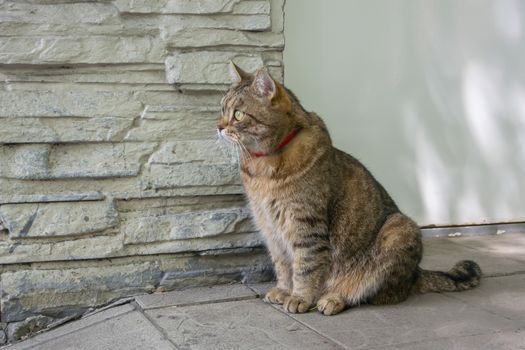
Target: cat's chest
{"points": [[272, 212], [272, 204]]}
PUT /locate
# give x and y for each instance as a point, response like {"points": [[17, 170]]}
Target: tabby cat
{"points": [[335, 236]]}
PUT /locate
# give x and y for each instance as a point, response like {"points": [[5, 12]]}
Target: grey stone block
{"points": [[192, 163], [81, 50], [207, 67], [194, 296], [189, 225], [190, 112], [212, 244], [203, 37], [193, 7], [68, 102], [57, 130], [62, 291], [40, 162], [277, 15], [161, 123], [182, 126], [245, 265], [161, 176], [174, 23], [252, 7], [58, 219], [56, 12], [24, 161], [194, 151], [216, 276], [247, 324], [131, 208], [90, 247]]}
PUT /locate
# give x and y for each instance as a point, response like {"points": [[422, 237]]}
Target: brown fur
{"points": [[335, 236]]}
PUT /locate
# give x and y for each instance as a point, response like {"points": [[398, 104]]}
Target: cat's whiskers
{"points": [[238, 155], [232, 145], [245, 152], [230, 149]]}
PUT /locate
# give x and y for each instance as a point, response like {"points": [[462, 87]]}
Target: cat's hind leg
{"points": [[386, 272]]}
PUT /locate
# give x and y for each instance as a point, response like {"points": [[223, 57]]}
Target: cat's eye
{"points": [[239, 115]]}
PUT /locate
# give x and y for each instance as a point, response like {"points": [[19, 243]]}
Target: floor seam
{"points": [[257, 294], [162, 331], [218, 301], [336, 342], [300, 322]]}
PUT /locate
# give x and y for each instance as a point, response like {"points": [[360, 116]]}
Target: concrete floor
{"points": [[233, 317]]}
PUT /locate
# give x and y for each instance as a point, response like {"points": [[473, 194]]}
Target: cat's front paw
{"points": [[276, 296], [296, 304], [331, 304]]}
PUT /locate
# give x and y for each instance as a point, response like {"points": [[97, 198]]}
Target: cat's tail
{"points": [[466, 274]]}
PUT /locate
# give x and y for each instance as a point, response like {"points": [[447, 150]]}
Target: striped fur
{"points": [[335, 236]]}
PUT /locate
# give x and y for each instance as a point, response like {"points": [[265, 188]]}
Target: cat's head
{"points": [[256, 111]]}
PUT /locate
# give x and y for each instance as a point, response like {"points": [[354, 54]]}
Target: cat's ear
{"points": [[263, 84], [237, 73]]}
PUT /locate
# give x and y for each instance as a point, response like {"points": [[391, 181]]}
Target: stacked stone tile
{"points": [[111, 180]]}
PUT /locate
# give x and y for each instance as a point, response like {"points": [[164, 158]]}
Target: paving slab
{"points": [[129, 330], [509, 246], [75, 326], [421, 317], [246, 324], [195, 296], [499, 340], [442, 254], [504, 296]]}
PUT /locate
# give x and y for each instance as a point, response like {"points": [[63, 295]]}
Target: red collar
{"points": [[281, 145]]}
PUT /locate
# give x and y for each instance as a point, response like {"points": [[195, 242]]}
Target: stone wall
{"points": [[111, 180]]}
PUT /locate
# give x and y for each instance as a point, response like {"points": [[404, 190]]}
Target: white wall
{"points": [[429, 95]]}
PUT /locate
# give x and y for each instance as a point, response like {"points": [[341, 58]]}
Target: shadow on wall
{"points": [[475, 80], [429, 95]]}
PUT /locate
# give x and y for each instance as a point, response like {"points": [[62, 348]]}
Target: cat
{"points": [[335, 236]]}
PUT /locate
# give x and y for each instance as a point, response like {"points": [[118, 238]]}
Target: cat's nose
{"points": [[220, 128]]}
